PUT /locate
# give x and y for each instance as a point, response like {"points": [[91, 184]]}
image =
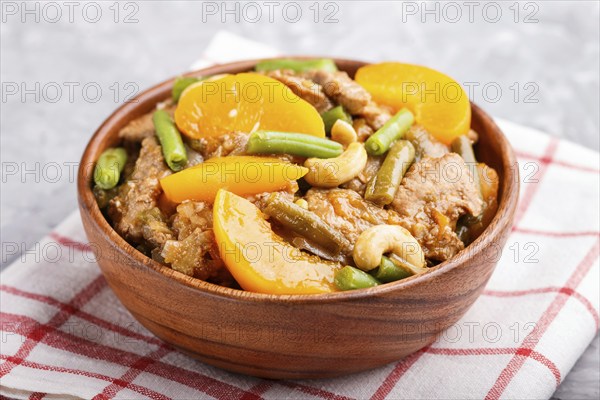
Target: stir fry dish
{"points": [[296, 178]]}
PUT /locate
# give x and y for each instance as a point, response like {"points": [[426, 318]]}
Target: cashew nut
{"points": [[343, 133], [381, 239], [302, 203], [331, 172]]}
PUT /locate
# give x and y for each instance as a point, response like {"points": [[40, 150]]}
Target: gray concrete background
{"points": [[542, 56]]}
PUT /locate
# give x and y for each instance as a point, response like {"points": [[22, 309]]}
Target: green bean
{"points": [[406, 265], [324, 64], [170, 140], [109, 166], [182, 83], [388, 271], [350, 278], [394, 129], [463, 147], [382, 188], [298, 144], [304, 223], [330, 116]]}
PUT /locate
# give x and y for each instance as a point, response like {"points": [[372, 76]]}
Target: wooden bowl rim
{"points": [[88, 204]]}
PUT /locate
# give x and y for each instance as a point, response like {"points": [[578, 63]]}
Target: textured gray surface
{"points": [[554, 62]]}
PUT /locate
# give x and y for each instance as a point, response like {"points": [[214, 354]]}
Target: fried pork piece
{"points": [[375, 115], [425, 144], [195, 252], [362, 128], [355, 99], [433, 194], [129, 210], [303, 88], [191, 256], [231, 144], [342, 89], [190, 216], [346, 211]]}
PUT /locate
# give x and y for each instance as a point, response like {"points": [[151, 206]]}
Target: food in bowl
{"points": [[295, 178]]}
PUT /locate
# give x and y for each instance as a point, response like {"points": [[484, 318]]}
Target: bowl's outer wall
{"points": [[282, 337]]}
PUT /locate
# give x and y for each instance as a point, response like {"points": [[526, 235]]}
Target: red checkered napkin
{"points": [[65, 334]]}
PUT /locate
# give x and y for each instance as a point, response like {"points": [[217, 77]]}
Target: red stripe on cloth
{"points": [[258, 389], [554, 234], [37, 396], [522, 154], [533, 338], [127, 378], [532, 188], [537, 356], [68, 342], [495, 351], [394, 376], [262, 386], [65, 241], [590, 307], [44, 367], [82, 314], [93, 351], [60, 317], [249, 395], [570, 292]]}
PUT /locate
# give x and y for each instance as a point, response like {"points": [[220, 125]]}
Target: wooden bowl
{"points": [[300, 336]]}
